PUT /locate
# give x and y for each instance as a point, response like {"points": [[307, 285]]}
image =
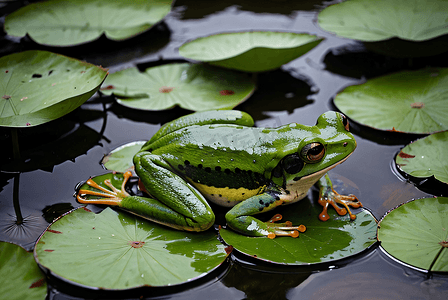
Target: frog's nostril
{"points": [[345, 144]]}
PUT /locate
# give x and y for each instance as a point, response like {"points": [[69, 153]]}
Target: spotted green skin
{"points": [[220, 157]]}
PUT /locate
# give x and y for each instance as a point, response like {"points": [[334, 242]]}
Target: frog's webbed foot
{"points": [[333, 198], [283, 229], [106, 197]]}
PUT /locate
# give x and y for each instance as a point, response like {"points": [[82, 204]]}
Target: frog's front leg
{"points": [[175, 204], [328, 196], [240, 218]]}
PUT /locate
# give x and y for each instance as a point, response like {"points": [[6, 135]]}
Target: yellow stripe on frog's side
{"points": [[226, 196]]}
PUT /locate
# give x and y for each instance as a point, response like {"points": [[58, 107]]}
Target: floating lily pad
{"points": [[402, 25], [40, 86], [72, 22], [426, 157], [416, 233], [115, 250], [120, 159], [251, 51], [191, 86], [411, 102], [334, 239], [21, 277]]}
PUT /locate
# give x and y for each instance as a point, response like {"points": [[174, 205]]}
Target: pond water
{"points": [[299, 92]]}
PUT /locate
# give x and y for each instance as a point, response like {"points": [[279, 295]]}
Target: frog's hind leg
{"points": [[240, 218], [328, 196]]}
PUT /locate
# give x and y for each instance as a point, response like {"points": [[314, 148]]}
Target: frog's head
{"points": [[315, 149]]}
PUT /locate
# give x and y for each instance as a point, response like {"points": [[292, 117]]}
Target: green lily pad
{"points": [[115, 250], [72, 22], [191, 86], [416, 233], [365, 20], [426, 157], [120, 159], [334, 239], [21, 277], [411, 102], [40, 86], [250, 51]]}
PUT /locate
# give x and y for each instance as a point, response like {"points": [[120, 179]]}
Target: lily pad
{"points": [[191, 86], [120, 159], [72, 22], [402, 25], [115, 250], [334, 239], [21, 277], [250, 51], [410, 101], [40, 86], [416, 233], [426, 157]]}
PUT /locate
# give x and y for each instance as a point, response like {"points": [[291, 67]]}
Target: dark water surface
{"points": [[299, 92]]}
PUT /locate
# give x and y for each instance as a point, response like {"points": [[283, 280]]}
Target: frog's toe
{"points": [[111, 196], [334, 199], [283, 229]]}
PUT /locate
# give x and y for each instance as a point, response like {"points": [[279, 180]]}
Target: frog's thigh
{"points": [[170, 189], [239, 218]]}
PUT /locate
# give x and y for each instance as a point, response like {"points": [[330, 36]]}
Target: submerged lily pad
{"points": [[426, 157], [416, 233], [40, 86], [120, 159], [404, 26], [21, 277], [334, 239], [411, 102], [71, 22], [115, 250], [251, 51], [191, 86]]}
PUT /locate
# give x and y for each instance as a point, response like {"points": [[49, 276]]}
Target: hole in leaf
{"points": [[136, 244], [37, 76]]}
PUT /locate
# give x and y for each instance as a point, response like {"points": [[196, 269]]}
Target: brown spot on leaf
{"points": [[136, 244], [6, 97], [418, 105], [228, 249], [7, 71], [109, 87], [48, 250], [405, 155], [166, 89], [28, 124], [226, 92], [86, 209], [54, 231], [38, 283], [444, 244]]}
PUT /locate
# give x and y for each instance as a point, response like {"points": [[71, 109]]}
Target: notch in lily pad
{"points": [[195, 87], [322, 242], [118, 251], [426, 157], [250, 51], [416, 233], [408, 102], [73, 22], [120, 159], [397, 28]]}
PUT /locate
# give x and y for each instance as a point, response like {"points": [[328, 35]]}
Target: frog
{"points": [[220, 157]]}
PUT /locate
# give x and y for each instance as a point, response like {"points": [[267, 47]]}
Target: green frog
{"points": [[218, 156]]}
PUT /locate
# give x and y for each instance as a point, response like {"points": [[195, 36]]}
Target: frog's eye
{"points": [[313, 152], [292, 164], [345, 122]]}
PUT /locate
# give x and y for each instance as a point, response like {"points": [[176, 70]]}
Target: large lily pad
{"points": [[251, 51], [411, 102], [21, 277], [416, 233], [426, 157], [334, 239], [365, 20], [71, 22], [116, 250], [191, 86], [40, 86]]}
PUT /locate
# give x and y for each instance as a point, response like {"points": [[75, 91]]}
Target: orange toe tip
{"points": [[271, 235], [302, 228]]}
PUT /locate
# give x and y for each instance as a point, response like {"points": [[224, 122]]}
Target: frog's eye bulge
{"points": [[345, 122], [313, 152]]}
